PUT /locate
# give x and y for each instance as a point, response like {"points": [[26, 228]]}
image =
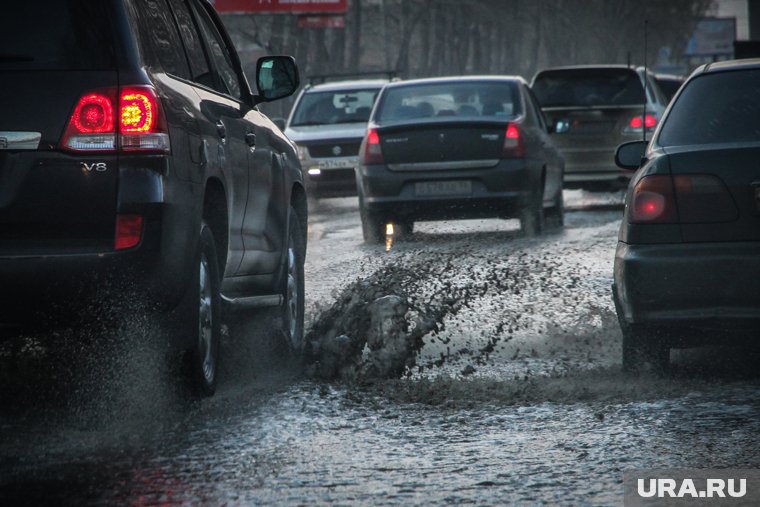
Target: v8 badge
{"points": [[100, 167]]}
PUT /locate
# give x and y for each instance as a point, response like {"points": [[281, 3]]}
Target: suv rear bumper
{"points": [[60, 284], [696, 285], [499, 191]]}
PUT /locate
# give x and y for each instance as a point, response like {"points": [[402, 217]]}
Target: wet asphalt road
{"points": [[516, 398]]}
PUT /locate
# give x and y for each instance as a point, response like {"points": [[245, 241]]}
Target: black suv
{"points": [[134, 161]]}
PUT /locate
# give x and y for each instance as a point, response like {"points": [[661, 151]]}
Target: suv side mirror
{"points": [[629, 155], [280, 122], [276, 77]]}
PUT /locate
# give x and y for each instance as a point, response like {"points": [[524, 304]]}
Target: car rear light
{"points": [[637, 122], [138, 121], [91, 126], [653, 201], [142, 127], [513, 145], [129, 229], [372, 152], [703, 198]]}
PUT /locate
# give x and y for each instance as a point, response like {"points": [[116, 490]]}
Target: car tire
{"points": [[532, 215], [556, 216], [373, 226], [644, 348], [293, 286], [405, 229], [202, 309]]}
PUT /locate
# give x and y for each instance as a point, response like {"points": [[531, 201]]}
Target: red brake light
{"points": [[134, 113], [137, 110], [129, 230], [637, 122], [142, 127], [373, 151], [513, 145], [653, 201], [93, 114], [91, 126]]}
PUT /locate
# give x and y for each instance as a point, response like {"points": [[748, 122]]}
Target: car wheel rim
{"points": [[292, 297], [205, 322]]}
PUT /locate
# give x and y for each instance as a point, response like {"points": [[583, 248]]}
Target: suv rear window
{"points": [[715, 108], [61, 35], [464, 99], [588, 87]]}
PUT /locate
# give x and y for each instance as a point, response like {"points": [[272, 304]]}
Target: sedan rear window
{"points": [[446, 99], [588, 87], [715, 108], [62, 35]]}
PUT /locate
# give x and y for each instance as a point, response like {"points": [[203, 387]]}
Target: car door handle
{"points": [[250, 138], [221, 130]]}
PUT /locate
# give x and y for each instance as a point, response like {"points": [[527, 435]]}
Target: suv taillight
{"points": [[513, 145], [372, 152], [684, 198], [92, 125], [102, 123]]}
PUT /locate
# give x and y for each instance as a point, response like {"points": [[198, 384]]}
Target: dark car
{"points": [[669, 84], [591, 109], [135, 169], [460, 147], [688, 258], [328, 122]]}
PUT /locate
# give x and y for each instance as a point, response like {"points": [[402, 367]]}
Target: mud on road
{"points": [[508, 390]]}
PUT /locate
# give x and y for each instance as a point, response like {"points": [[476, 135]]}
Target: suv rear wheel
{"points": [[203, 312]]}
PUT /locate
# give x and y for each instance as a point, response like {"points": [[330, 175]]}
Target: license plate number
{"points": [[435, 188], [344, 163]]}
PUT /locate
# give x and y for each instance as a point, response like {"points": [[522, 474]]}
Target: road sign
{"points": [[282, 6]]}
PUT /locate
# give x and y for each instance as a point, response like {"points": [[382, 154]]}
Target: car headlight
{"points": [[303, 152]]}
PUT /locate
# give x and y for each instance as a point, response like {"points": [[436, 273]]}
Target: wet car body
{"points": [[688, 256], [592, 109], [428, 156], [328, 138], [144, 172]]}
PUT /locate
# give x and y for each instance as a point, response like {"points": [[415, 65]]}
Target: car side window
{"points": [[220, 55], [158, 31], [199, 68]]}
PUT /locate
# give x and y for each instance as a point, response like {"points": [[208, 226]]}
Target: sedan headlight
{"points": [[303, 152]]}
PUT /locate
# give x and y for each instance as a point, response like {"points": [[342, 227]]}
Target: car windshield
{"points": [[458, 99], [65, 35], [704, 114], [588, 87], [340, 106]]}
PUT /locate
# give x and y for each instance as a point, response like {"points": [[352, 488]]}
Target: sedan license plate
{"points": [[341, 163], [436, 188]]}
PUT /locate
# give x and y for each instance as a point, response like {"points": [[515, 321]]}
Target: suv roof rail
{"points": [[323, 78]]}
